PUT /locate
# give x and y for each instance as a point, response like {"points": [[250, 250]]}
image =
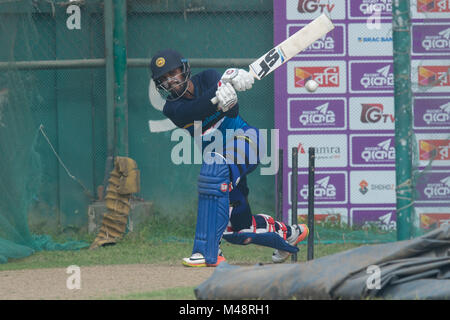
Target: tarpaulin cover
{"points": [[412, 269]]}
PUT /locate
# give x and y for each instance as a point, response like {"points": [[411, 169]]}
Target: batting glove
{"points": [[226, 95], [239, 78]]}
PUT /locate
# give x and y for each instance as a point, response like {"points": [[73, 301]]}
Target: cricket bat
{"points": [[296, 43]]}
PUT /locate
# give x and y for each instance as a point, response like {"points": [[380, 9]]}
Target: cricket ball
{"points": [[311, 85]]}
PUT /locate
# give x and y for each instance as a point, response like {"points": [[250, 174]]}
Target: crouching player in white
{"points": [[223, 208]]}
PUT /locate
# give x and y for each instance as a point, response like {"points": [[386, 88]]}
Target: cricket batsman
{"points": [[223, 208]]}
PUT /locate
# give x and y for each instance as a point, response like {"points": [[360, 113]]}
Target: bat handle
{"points": [[214, 100]]}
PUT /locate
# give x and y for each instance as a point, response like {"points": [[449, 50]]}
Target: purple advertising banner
{"points": [[333, 44], [433, 187], [432, 113], [350, 118], [318, 114], [329, 188], [370, 8], [431, 38], [370, 150], [384, 219], [368, 76]]}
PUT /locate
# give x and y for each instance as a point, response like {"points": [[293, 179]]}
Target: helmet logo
{"points": [[160, 62]]}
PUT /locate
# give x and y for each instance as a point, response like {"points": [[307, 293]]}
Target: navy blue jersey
{"points": [[183, 112]]}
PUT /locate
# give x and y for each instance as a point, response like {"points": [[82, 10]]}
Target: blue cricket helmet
{"points": [[165, 61]]}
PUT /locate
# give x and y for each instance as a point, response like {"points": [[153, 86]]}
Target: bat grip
{"points": [[214, 100]]}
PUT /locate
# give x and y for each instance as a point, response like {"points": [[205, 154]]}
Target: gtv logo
{"points": [[312, 6], [374, 113]]}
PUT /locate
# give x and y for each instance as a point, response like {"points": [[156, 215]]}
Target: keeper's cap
{"points": [[164, 61]]}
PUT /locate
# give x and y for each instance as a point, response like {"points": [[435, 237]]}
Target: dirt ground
{"points": [[97, 281]]}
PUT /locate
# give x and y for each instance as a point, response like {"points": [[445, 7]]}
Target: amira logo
{"points": [[301, 149], [328, 152], [322, 152]]}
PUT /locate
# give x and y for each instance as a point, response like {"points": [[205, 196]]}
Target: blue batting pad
{"points": [[213, 209]]}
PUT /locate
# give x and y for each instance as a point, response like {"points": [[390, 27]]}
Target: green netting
{"points": [[20, 171], [21, 167]]}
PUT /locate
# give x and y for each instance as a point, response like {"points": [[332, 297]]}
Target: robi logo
{"points": [[312, 6], [324, 76], [433, 76], [433, 6]]}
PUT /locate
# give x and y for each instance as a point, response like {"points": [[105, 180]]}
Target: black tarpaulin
{"points": [[413, 269]]}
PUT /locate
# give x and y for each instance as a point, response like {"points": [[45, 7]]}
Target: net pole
{"points": [[311, 182], [401, 27], [109, 65], [294, 192], [279, 202], [120, 72]]}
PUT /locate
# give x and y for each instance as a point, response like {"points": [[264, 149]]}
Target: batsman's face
{"points": [[173, 81]]}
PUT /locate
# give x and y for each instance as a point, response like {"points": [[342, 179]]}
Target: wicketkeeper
{"points": [[223, 208]]}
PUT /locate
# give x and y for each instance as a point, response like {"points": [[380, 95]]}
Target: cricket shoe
{"points": [[299, 232], [197, 260]]}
